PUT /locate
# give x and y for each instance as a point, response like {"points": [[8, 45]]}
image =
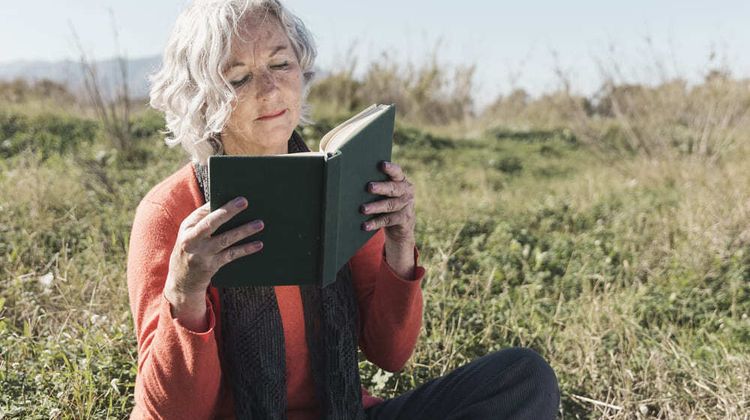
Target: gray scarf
{"points": [[253, 341]]}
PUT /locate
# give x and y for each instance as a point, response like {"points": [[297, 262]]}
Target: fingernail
{"points": [[258, 224], [365, 226], [370, 186], [383, 164], [239, 202], [362, 209]]}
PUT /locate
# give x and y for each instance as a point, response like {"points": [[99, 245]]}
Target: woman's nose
{"points": [[266, 85]]}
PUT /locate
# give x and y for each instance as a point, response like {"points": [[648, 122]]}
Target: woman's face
{"points": [[267, 77]]}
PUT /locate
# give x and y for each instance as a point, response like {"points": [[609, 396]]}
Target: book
{"points": [[309, 202]]}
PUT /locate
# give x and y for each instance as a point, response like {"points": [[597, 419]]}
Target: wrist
{"points": [[400, 257], [189, 309], [402, 247]]}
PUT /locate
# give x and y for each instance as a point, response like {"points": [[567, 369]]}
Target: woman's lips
{"points": [[271, 116]]}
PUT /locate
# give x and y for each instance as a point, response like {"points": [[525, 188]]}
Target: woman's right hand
{"points": [[197, 255]]}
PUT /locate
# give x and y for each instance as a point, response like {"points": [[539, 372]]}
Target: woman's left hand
{"points": [[396, 213]]}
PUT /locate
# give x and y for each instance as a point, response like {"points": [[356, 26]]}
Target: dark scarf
{"points": [[253, 341]]}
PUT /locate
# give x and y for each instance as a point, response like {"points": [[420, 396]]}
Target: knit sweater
{"points": [[180, 370]]}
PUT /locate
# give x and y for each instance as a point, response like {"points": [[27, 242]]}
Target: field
{"points": [[619, 256]]}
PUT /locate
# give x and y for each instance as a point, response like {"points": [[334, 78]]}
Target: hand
{"points": [[396, 212], [396, 215], [197, 255]]}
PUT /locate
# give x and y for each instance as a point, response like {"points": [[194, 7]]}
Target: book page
{"points": [[333, 140]]}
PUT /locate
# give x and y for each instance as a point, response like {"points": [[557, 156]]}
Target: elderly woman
{"points": [[234, 81]]}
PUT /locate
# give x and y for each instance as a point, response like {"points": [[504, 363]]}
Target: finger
{"points": [[196, 215], [230, 254], [388, 188], [388, 219], [227, 239], [393, 170], [388, 205], [218, 217]]}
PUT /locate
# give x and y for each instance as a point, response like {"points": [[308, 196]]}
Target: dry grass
{"points": [[428, 93], [620, 254]]}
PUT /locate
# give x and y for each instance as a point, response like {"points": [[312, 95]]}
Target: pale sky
{"points": [[513, 43]]}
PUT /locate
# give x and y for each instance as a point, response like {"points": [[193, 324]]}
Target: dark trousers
{"points": [[515, 383]]}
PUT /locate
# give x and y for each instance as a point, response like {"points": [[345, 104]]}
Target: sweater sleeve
{"points": [[179, 372], [390, 307]]}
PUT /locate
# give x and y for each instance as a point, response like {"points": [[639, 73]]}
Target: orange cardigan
{"points": [[180, 371]]}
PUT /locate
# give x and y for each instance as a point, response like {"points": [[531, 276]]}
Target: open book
{"points": [[309, 202]]}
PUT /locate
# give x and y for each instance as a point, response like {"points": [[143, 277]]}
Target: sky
{"points": [[514, 44]]}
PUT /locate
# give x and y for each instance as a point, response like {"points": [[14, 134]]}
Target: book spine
{"points": [[329, 266]]}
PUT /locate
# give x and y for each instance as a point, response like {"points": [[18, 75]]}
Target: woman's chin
{"points": [[274, 137], [278, 134]]}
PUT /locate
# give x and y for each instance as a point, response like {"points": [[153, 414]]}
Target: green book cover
{"points": [[309, 203]]}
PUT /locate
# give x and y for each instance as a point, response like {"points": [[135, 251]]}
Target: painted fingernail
{"points": [[365, 226], [363, 209], [239, 202], [258, 224]]}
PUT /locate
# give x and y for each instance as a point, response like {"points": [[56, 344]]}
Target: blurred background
{"points": [[581, 172]]}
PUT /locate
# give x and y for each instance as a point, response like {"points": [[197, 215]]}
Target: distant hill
{"points": [[69, 72]]}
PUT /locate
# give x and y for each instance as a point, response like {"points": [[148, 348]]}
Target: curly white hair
{"points": [[190, 87]]}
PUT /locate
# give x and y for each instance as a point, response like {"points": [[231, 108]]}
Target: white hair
{"points": [[190, 87]]}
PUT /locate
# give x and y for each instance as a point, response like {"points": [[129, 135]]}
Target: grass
{"points": [[630, 277]]}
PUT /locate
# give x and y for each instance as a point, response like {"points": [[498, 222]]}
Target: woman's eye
{"points": [[280, 66], [238, 83]]}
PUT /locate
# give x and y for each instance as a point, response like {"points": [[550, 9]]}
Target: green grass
{"points": [[631, 279]]}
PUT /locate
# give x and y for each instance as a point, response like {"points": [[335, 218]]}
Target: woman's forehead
{"points": [[238, 59], [257, 41]]}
